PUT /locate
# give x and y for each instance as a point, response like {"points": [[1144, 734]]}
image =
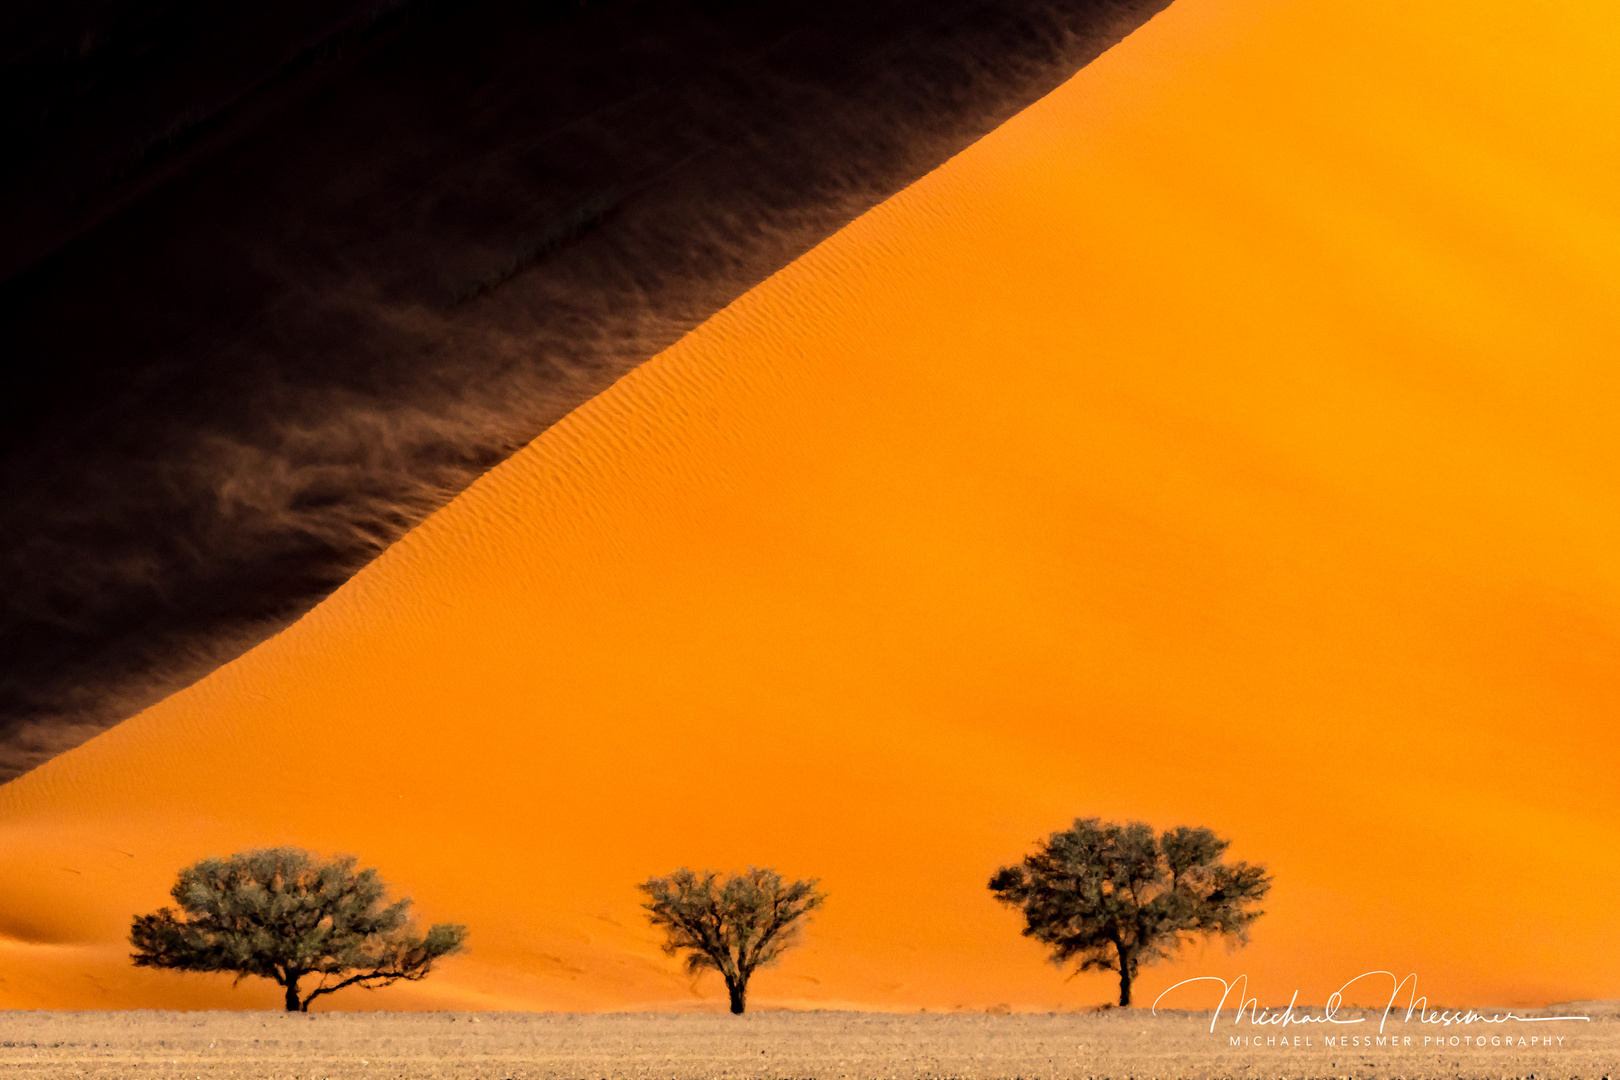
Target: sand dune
{"points": [[275, 284], [1226, 440]]}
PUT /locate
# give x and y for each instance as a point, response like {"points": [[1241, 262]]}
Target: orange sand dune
{"points": [[1229, 440]]}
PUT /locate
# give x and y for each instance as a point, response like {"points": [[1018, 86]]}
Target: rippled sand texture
{"points": [[845, 1046], [1228, 440], [380, 249]]}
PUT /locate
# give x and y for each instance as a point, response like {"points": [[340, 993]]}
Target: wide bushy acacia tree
{"points": [[285, 914], [734, 925], [1114, 896]]}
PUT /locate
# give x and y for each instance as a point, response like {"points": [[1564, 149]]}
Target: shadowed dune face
{"points": [[1226, 440], [279, 283]]}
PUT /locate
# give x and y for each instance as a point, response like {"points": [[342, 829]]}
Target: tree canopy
{"points": [[285, 914], [734, 925], [1114, 896]]}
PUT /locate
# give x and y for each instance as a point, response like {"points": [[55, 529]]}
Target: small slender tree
{"points": [[734, 925], [285, 914], [1116, 896]]}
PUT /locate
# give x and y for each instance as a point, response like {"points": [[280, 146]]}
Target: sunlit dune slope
{"points": [[1227, 440]]}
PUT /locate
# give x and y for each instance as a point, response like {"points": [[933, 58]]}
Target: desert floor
{"points": [[767, 1045]]}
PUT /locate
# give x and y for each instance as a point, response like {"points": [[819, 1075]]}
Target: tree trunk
{"points": [[1124, 977], [739, 994], [292, 993]]}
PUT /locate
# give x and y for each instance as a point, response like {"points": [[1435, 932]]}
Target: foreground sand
{"points": [[766, 1045]]}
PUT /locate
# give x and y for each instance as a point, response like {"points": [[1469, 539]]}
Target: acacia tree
{"points": [[286, 914], [1116, 896], [733, 925]]}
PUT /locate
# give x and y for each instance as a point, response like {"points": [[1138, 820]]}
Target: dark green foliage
{"points": [[732, 925], [1115, 896], [284, 914]]}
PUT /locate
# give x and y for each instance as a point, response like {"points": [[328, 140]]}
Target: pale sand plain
{"points": [[766, 1045]]}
